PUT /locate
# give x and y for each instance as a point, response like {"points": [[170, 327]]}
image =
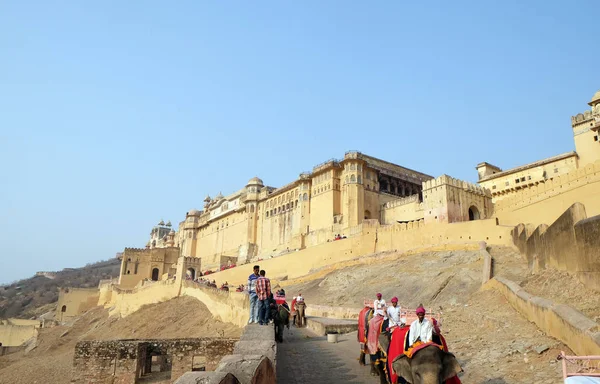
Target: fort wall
{"points": [[127, 301], [545, 202], [75, 301], [12, 335], [571, 243], [368, 238], [557, 320]]}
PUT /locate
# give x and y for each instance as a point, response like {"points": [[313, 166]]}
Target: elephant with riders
{"points": [[398, 353]]}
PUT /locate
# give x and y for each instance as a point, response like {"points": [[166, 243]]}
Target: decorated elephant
{"points": [[300, 316], [392, 365], [281, 317], [430, 365]]}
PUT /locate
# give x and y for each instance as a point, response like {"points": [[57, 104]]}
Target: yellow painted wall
{"points": [[222, 238], [545, 202], [230, 307], [362, 242], [147, 260], [13, 321], [15, 335], [527, 177], [403, 209], [125, 302], [75, 301]]}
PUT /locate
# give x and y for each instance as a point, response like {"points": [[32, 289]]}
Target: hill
{"points": [[33, 296]]}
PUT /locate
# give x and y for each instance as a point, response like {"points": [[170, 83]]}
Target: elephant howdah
{"points": [[430, 362]]}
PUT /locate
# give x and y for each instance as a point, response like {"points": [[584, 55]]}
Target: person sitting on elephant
{"points": [[379, 306], [421, 329], [393, 313]]}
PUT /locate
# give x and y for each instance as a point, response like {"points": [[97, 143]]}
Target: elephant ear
{"points": [[450, 366], [401, 366]]}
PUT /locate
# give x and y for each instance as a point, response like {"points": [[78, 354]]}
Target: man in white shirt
{"points": [[420, 329], [393, 313], [379, 306]]}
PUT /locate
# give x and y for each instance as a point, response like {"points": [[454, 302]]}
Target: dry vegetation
{"points": [[51, 360]]}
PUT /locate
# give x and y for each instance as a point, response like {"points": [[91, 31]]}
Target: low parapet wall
{"points": [[560, 321], [230, 307]]}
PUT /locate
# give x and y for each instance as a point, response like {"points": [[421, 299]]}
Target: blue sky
{"points": [[114, 115]]}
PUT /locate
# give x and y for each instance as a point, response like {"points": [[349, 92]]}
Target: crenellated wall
{"points": [[449, 200], [546, 201]]}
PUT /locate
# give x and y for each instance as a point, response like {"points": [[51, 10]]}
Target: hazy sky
{"points": [[117, 114]]}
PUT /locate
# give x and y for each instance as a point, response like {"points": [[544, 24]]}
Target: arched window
{"points": [[252, 209], [346, 179], [287, 207], [352, 179], [296, 204], [353, 167], [359, 179], [267, 214], [305, 197], [155, 274], [63, 309]]}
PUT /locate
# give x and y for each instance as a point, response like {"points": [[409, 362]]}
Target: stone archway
{"points": [[191, 272], [155, 274], [367, 215], [473, 213]]}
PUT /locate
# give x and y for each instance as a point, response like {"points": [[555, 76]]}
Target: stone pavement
{"points": [[305, 357]]}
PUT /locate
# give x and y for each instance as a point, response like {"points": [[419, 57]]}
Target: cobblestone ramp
{"points": [[305, 357]]}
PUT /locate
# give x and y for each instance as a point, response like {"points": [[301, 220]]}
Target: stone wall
{"points": [[75, 301], [544, 202], [570, 244], [369, 238], [125, 361], [558, 320], [15, 335], [230, 307], [253, 361]]}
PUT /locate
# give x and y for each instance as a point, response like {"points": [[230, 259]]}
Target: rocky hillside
{"points": [[31, 297], [51, 360]]}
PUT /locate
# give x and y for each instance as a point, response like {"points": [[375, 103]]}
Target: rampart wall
{"points": [[557, 320], [369, 238], [571, 243], [75, 301], [15, 335], [544, 202]]}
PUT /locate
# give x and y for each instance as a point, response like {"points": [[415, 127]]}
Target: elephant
{"points": [[281, 317], [299, 316], [378, 358], [430, 365]]}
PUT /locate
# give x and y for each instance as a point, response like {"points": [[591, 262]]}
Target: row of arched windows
{"points": [[283, 208], [282, 198], [354, 179]]}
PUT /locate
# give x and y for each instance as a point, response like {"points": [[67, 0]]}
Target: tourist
{"points": [[263, 291], [393, 313], [421, 329], [253, 297], [379, 306]]}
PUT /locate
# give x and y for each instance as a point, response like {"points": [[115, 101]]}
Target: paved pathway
{"points": [[304, 357]]}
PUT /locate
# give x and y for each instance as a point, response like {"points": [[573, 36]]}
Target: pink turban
{"points": [[379, 295], [421, 310], [394, 299]]}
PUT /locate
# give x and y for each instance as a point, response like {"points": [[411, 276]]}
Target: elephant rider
{"points": [[379, 306], [393, 313], [421, 330], [296, 299]]}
